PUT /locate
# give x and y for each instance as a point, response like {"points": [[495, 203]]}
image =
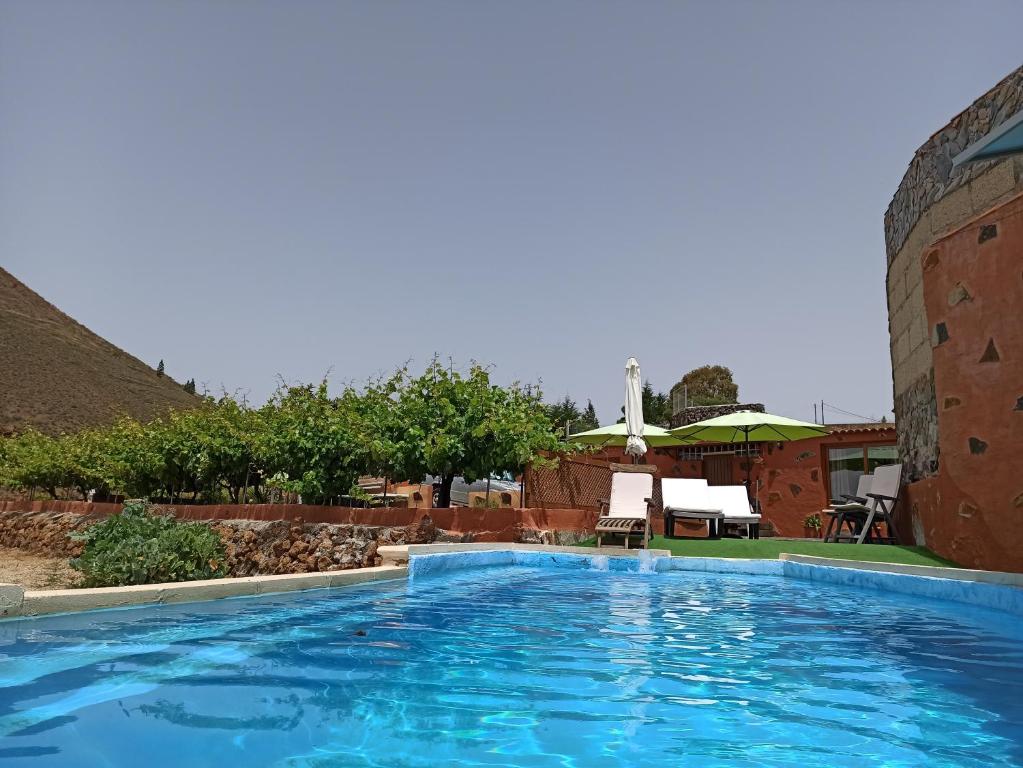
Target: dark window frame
{"points": [[865, 447]]}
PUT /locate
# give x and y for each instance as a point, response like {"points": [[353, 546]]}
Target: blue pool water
{"points": [[515, 666]]}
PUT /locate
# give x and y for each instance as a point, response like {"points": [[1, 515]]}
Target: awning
{"points": [[1006, 139]]}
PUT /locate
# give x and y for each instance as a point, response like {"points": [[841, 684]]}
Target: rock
{"points": [[423, 532]]}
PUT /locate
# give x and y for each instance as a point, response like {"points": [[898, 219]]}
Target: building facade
{"points": [[954, 239], [790, 481]]}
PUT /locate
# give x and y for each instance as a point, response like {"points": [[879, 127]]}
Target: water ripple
{"points": [[511, 666]]}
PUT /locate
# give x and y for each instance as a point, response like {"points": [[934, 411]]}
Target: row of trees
{"points": [[566, 415], [303, 441]]}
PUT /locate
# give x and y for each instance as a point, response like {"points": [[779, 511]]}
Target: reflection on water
{"points": [[511, 666]]}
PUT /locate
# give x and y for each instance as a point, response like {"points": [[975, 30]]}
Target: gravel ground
{"points": [[35, 571]]}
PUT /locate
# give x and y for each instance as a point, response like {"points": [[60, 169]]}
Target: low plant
{"points": [[812, 521], [137, 546]]}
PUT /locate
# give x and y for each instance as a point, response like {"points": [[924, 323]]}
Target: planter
{"points": [[811, 533]]}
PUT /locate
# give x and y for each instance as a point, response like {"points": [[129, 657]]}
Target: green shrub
{"points": [[139, 547]]}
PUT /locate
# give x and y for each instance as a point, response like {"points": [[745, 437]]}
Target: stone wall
{"points": [[44, 533], [277, 539], [932, 201], [260, 547], [930, 176], [254, 547], [955, 289], [695, 413]]}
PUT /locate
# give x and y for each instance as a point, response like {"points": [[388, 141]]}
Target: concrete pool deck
{"points": [[1000, 590]]}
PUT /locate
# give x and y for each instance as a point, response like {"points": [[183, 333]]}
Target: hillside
{"points": [[58, 376]]}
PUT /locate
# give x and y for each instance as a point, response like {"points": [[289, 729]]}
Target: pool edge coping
{"points": [[17, 602], [997, 578]]}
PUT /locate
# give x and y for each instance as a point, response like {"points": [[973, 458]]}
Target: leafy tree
{"points": [[190, 386], [226, 434], [88, 463], [302, 441], [159, 369], [374, 414], [452, 425], [134, 458], [710, 385], [35, 460], [311, 444], [566, 411], [656, 406]]}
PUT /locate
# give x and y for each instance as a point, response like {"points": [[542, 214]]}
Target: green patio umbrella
{"points": [[750, 426], [617, 435]]}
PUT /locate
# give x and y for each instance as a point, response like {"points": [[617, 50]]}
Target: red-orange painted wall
{"points": [[500, 524], [972, 511]]}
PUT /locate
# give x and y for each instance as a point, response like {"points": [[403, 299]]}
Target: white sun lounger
{"points": [[686, 498], [627, 512], [735, 507]]}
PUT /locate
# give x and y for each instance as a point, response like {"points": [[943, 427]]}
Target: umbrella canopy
{"points": [[634, 445], [617, 435], [749, 426]]}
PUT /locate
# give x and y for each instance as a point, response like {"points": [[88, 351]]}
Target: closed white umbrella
{"points": [[634, 444]]}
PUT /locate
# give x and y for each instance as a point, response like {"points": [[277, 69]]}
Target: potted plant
{"points": [[812, 526]]}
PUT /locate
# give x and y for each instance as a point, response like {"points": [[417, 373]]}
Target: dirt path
{"points": [[35, 571]]}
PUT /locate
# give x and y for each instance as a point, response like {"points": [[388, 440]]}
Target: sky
{"points": [[256, 191]]}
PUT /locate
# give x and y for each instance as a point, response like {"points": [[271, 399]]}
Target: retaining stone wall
{"points": [[266, 547]]}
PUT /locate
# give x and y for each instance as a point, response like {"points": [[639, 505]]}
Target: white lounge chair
{"points": [[864, 519], [835, 513], [686, 498], [627, 512], [735, 507]]}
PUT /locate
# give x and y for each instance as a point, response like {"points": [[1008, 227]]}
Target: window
{"points": [[697, 452], [847, 464], [879, 455]]}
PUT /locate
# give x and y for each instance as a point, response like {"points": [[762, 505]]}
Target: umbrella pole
{"points": [[749, 467]]}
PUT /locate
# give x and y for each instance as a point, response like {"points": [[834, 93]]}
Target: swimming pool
{"points": [[521, 666]]}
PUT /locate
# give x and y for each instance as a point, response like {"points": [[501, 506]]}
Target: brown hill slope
{"points": [[58, 376]]}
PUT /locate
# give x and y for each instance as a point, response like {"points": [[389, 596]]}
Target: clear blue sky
{"points": [[246, 189]]}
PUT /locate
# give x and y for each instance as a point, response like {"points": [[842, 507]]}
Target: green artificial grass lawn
{"points": [[770, 549]]}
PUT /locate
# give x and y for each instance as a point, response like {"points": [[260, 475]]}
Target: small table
{"points": [[712, 516]]}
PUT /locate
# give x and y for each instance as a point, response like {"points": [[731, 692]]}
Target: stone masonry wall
{"points": [[695, 413], [277, 546], [253, 546], [932, 201], [930, 176]]}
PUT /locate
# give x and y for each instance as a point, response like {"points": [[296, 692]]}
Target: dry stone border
{"points": [[259, 548]]}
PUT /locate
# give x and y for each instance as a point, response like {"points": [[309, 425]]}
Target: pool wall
{"points": [[989, 589], [1001, 597]]}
